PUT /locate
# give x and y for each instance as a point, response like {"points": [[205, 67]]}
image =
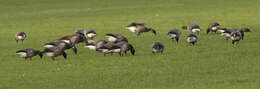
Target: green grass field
{"points": [[213, 63]]}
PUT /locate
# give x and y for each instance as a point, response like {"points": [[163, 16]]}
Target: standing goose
{"points": [[95, 44], [20, 35], [116, 38], [139, 27], [157, 47], [28, 53], [193, 28], [55, 51], [174, 34], [192, 39], [61, 43], [213, 27]]}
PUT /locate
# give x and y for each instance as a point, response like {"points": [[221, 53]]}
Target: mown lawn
{"points": [[213, 63]]}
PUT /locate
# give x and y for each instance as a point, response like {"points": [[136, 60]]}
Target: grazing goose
{"points": [[139, 27], [124, 47], [20, 35], [61, 43], [157, 47], [116, 38], [213, 27], [28, 53], [193, 28], [54, 52], [236, 36], [120, 47], [227, 32], [73, 39], [89, 33], [95, 44], [192, 39], [174, 34]]}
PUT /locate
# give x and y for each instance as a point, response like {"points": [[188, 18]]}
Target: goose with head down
{"points": [[157, 47], [193, 28], [139, 27], [174, 34], [192, 39], [28, 53]]}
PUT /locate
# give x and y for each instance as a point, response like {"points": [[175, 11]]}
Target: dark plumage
{"points": [[157, 47], [236, 36], [62, 44], [95, 44], [54, 52], [213, 27], [116, 38], [193, 28], [120, 47], [74, 38], [192, 39], [20, 35], [139, 27], [174, 34], [28, 53]]}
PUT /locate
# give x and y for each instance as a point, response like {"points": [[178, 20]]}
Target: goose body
{"points": [[63, 44], [213, 27], [139, 27], [73, 39], [28, 53], [95, 44], [157, 47], [193, 28], [236, 36], [174, 34], [120, 47], [192, 39], [20, 35], [115, 38], [54, 52]]}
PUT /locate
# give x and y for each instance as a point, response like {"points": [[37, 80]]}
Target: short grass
{"points": [[212, 64]]}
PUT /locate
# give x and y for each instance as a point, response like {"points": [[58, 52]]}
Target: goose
{"points": [[20, 35], [95, 44], [213, 27], [157, 47], [236, 36], [193, 28], [63, 44], [28, 53], [115, 38], [192, 39], [139, 27], [88, 33], [73, 38], [174, 34], [54, 52], [227, 32], [121, 47]]}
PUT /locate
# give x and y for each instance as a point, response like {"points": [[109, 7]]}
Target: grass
{"points": [[213, 63]]}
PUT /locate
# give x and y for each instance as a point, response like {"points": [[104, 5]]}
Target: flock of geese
{"points": [[117, 43]]}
